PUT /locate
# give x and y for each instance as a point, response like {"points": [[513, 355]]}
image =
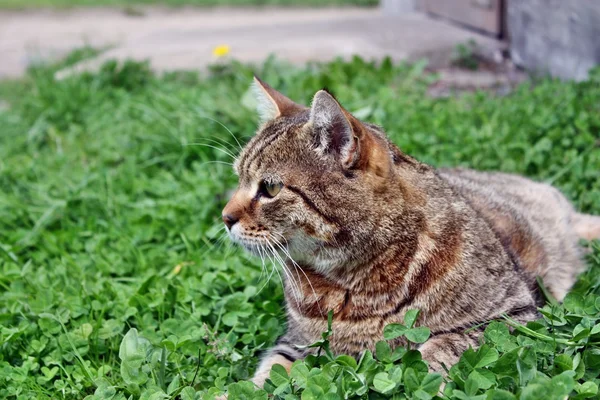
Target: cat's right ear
{"points": [[334, 133], [271, 103]]}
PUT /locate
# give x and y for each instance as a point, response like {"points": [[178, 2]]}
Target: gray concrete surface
{"points": [[395, 7], [555, 36], [185, 38]]}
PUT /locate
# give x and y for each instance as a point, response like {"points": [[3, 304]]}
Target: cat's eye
{"points": [[270, 189]]}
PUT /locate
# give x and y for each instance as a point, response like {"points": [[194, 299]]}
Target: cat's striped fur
{"points": [[374, 232]]}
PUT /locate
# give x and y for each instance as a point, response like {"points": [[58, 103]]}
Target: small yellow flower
{"points": [[178, 267], [221, 50]]}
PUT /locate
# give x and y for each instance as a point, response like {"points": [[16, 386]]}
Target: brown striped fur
{"points": [[374, 232]]}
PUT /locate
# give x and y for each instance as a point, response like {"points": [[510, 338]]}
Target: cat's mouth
{"points": [[263, 249], [261, 245]]}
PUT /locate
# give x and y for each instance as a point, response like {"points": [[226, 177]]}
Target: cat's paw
{"points": [[438, 356], [260, 378]]}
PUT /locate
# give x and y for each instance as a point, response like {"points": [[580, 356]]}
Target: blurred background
{"points": [[557, 37]]}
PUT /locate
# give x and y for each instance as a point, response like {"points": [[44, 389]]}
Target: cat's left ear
{"points": [[271, 103], [333, 127]]}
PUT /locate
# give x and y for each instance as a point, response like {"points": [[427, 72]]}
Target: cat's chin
{"points": [[300, 250]]}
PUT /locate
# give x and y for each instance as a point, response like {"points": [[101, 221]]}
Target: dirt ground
{"points": [[185, 38]]}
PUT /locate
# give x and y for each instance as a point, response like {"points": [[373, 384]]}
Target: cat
{"points": [[370, 232]]}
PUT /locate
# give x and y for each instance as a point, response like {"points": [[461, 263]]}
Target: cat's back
{"points": [[532, 220]]}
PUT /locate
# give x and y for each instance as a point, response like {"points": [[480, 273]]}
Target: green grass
{"points": [[130, 5], [114, 281]]}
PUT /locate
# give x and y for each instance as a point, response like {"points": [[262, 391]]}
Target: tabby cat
{"points": [[373, 232]]}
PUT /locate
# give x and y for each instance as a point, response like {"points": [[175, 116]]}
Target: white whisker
{"points": [[217, 162], [214, 147], [263, 269], [222, 142], [293, 285], [275, 269], [272, 265], [226, 128], [296, 266]]}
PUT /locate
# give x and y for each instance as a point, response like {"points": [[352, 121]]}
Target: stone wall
{"points": [[560, 37]]}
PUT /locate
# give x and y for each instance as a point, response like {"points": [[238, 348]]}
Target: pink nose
{"points": [[229, 220]]}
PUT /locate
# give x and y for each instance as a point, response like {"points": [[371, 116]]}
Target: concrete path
{"points": [[184, 38]]}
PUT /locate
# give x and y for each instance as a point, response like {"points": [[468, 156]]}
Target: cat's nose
{"points": [[230, 220]]}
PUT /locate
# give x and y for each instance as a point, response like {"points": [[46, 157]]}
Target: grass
{"points": [[130, 5], [116, 283]]}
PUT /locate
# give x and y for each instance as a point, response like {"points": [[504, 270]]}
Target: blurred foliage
{"points": [[465, 55], [116, 280]]}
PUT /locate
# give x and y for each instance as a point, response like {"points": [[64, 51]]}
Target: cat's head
{"points": [[314, 183]]}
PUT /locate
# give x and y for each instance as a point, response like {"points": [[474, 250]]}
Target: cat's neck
{"points": [[420, 241]]}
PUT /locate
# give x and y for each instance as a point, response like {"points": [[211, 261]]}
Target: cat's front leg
{"points": [[282, 353], [264, 369], [446, 349]]}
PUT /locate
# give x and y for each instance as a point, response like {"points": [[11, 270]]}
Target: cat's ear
{"points": [[271, 103], [333, 129]]}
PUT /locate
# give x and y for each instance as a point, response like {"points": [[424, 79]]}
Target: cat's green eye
{"points": [[271, 189]]}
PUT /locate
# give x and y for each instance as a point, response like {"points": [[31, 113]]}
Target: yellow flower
{"points": [[178, 267], [221, 50]]}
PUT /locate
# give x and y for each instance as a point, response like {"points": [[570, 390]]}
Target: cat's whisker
{"points": [[261, 251], [287, 254], [262, 267], [214, 147], [226, 128], [218, 243], [222, 239], [217, 162], [224, 146], [264, 272], [218, 247], [280, 278], [201, 115], [284, 263], [272, 265], [294, 286], [222, 142], [296, 266], [287, 272]]}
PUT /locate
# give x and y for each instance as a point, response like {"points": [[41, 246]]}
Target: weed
{"points": [[465, 55]]}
